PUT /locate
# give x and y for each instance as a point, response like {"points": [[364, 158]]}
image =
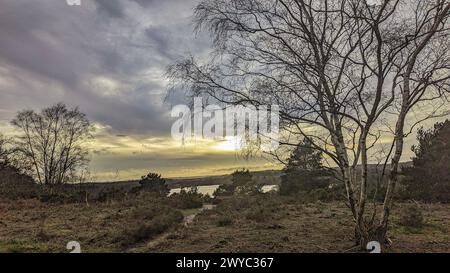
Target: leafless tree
{"points": [[345, 73], [5, 149], [53, 143]]}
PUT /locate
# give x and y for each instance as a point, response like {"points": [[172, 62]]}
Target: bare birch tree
{"points": [[52, 143], [345, 74]]}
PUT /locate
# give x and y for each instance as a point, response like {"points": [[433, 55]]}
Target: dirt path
{"points": [[301, 228], [190, 218], [159, 239]]}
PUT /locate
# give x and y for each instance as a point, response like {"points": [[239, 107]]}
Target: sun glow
{"points": [[229, 144]]}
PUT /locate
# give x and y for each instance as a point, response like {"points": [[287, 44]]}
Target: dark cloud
{"points": [[27, 42], [160, 39], [107, 56], [110, 7], [145, 3]]}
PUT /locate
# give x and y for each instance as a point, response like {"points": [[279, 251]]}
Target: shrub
{"points": [[190, 199], [429, 178], [153, 182], [332, 193], [224, 221], [15, 185], [224, 190], [237, 203], [63, 195], [53, 198], [249, 189], [241, 178], [244, 184], [304, 171], [258, 214], [111, 194], [411, 216], [149, 223]]}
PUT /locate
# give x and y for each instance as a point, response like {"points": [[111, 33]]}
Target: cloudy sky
{"points": [[109, 57]]}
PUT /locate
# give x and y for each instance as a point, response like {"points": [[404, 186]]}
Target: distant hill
{"points": [[267, 177]]}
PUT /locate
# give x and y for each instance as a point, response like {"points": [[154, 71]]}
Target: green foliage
{"points": [[190, 199], [153, 182], [224, 190], [242, 183], [429, 177], [304, 171], [241, 178]]}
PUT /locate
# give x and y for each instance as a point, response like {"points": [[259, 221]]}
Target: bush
{"points": [[237, 204], [53, 198], [15, 185], [257, 208], [304, 172], [258, 214], [330, 194], [224, 221], [148, 222], [111, 194], [190, 199], [146, 231], [429, 178], [63, 195], [153, 182], [224, 190], [242, 183], [334, 192], [411, 216]]}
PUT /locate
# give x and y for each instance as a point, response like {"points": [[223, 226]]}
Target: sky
{"points": [[109, 58]]}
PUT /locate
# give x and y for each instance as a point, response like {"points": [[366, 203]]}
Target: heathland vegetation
{"points": [[350, 80], [352, 77], [307, 213]]}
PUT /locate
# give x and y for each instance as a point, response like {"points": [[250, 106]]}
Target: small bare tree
{"points": [[5, 149], [345, 73], [53, 143]]}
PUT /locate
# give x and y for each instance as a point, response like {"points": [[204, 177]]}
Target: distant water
{"points": [[209, 190]]}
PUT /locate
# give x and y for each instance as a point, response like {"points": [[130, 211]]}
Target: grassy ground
{"points": [[32, 226], [277, 226], [149, 224]]}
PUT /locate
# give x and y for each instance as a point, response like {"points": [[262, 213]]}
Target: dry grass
{"points": [[250, 224], [294, 227], [32, 226]]}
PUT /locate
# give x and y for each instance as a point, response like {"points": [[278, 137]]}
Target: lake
{"points": [[209, 190]]}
